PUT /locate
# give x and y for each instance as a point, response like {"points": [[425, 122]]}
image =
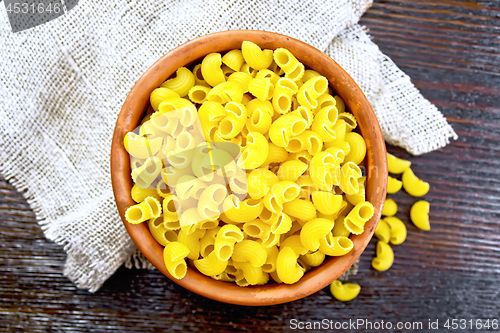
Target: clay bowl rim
{"points": [[137, 103]]}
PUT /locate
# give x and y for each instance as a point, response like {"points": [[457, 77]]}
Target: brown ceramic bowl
{"points": [[136, 105]]}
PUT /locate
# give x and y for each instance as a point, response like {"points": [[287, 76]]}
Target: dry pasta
{"points": [[398, 230], [313, 259], [419, 214], [287, 268], [393, 185], [249, 168], [385, 257], [182, 83], [390, 207], [160, 95], [344, 292], [211, 69], [413, 185], [255, 57], [173, 256], [335, 245], [397, 165], [147, 209], [383, 231]]}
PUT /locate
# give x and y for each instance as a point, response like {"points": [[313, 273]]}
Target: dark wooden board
{"points": [[451, 50]]}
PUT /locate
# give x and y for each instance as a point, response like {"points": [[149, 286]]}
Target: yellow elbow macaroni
{"points": [[327, 203], [313, 231], [357, 147], [335, 245], [234, 60], [174, 256], [390, 207], [235, 169], [397, 165], [344, 292], [287, 268], [358, 216], [255, 57], [419, 215], [398, 230], [210, 265], [251, 251], [313, 259], [393, 185], [385, 257], [295, 244], [160, 95], [182, 83], [147, 209], [211, 69], [413, 185], [383, 231], [160, 231]]}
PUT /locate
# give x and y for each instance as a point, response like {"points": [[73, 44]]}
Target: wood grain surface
{"points": [[451, 50]]}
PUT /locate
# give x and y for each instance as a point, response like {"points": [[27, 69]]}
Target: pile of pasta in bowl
{"points": [[248, 168]]}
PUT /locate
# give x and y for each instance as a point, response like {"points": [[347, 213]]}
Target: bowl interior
{"points": [[137, 103]]}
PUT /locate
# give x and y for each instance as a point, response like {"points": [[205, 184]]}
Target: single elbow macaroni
{"points": [[390, 207], [137, 146], [225, 92], [225, 240], [327, 203], [385, 257], [349, 178], [255, 153], [322, 170], [210, 265], [291, 170], [393, 185], [344, 292], [323, 123], [397, 165], [160, 231], [313, 231], [174, 256], [211, 69], [255, 57], [313, 259], [357, 147], [383, 231], [249, 275], [287, 268], [251, 251], [261, 88], [295, 244], [419, 215], [182, 83], [160, 95], [260, 182], [139, 194], [301, 209], [147, 209], [234, 60], [286, 127], [413, 185], [358, 216], [335, 245], [398, 230]]}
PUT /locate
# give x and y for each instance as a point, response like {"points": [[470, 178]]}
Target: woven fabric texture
{"points": [[63, 83]]}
